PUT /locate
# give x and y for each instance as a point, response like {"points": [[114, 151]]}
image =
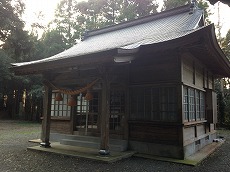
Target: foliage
{"points": [[220, 102], [10, 13], [64, 20], [73, 18], [5, 73], [226, 45], [16, 42], [18, 45], [52, 42], [222, 89], [36, 88], [227, 109], [205, 6], [169, 4]]}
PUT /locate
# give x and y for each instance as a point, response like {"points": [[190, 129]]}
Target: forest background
{"points": [[21, 96]]}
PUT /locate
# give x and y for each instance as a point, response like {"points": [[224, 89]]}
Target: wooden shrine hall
{"points": [[145, 85]]}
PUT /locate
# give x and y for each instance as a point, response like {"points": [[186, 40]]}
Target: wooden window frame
{"points": [[163, 104], [60, 108], [194, 107]]}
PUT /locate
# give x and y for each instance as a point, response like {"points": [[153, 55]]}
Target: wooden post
{"points": [[86, 117], [180, 112], [73, 120], [104, 147], [45, 136]]}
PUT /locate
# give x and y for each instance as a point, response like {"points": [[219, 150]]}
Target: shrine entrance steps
{"points": [[117, 145]]}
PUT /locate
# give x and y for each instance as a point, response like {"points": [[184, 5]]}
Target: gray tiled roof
{"points": [[151, 32]]}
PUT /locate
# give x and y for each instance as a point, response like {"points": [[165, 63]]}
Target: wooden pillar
{"points": [[104, 146], [180, 102], [73, 118], [45, 136]]}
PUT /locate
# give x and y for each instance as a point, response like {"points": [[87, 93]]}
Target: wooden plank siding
{"points": [[155, 69], [61, 126], [195, 74], [148, 132]]}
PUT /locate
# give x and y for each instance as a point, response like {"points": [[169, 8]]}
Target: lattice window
{"points": [[117, 109], [194, 104], [202, 105], [60, 108], [198, 107], [191, 103], [186, 112], [153, 104], [87, 112]]}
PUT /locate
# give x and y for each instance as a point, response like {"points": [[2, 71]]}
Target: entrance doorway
{"points": [[86, 114]]}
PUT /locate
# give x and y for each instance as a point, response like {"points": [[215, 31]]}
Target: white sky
{"points": [[224, 16], [33, 7]]}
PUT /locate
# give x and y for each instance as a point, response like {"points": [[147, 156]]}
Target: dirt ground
{"points": [[14, 156]]}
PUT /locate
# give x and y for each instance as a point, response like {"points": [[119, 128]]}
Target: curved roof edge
{"points": [[222, 59], [191, 38]]}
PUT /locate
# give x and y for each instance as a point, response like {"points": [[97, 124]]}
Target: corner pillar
{"points": [[105, 113]]}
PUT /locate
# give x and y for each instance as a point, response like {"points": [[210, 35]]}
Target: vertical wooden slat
{"points": [[45, 136]]}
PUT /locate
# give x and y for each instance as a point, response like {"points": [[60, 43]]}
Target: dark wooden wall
{"points": [[154, 133], [155, 68], [62, 126]]}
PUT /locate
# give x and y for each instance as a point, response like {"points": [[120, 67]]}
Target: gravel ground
{"points": [[14, 136]]}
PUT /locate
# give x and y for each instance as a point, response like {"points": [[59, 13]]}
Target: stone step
{"points": [[83, 138], [95, 145], [80, 143]]}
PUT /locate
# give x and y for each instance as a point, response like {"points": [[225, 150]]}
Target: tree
{"points": [[169, 4], [73, 18], [226, 45], [19, 45], [203, 4], [64, 20], [90, 14], [131, 9], [10, 13], [52, 42], [5, 73], [16, 42]]}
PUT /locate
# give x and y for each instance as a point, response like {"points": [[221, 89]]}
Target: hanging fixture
{"points": [[72, 101], [123, 59], [88, 96], [58, 97]]}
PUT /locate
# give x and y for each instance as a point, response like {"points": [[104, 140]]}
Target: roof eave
{"points": [[215, 48], [38, 68]]}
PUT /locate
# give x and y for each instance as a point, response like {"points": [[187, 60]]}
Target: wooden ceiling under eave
{"points": [[210, 53]]}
